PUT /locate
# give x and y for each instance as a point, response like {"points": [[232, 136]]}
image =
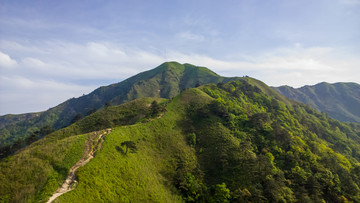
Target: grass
{"points": [[146, 175], [34, 173]]}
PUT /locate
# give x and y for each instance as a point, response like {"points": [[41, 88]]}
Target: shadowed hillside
{"points": [[340, 100]]}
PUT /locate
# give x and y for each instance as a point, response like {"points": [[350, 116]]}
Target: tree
{"points": [[76, 118], [155, 108], [222, 193], [129, 145], [107, 104], [32, 138], [5, 151], [192, 188], [91, 111], [191, 139], [47, 129]]}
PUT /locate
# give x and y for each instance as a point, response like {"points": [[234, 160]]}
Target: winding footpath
{"points": [[70, 182]]}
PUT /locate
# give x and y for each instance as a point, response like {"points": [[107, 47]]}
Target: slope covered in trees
{"points": [[164, 81], [239, 141], [340, 100]]}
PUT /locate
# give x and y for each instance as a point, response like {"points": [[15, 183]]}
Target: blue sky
{"points": [[51, 51]]}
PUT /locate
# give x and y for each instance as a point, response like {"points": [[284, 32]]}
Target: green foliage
{"points": [[267, 150], [155, 109], [222, 193], [20, 143], [233, 142], [39, 169], [193, 190], [77, 117], [191, 138], [129, 145], [148, 175]]}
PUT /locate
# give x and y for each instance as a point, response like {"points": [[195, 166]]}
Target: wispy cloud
{"points": [[6, 61], [22, 95], [187, 35], [53, 71], [350, 2]]}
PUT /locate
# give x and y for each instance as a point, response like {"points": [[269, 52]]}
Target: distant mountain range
{"points": [[340, 100]]}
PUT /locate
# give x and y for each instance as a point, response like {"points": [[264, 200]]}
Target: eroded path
{"points": [[70, 182]]}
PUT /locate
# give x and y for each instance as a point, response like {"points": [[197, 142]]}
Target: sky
{"points": [[51, 51]]}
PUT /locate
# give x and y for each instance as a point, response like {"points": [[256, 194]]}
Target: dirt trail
{"points": [[70, 182]]}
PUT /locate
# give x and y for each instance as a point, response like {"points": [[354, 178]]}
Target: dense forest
{"points": [[265, 150]]}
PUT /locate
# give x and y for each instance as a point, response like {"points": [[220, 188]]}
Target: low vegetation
{"points": [[34, 173]]}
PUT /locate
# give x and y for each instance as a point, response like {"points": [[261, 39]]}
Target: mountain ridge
{"points": [[340, 100], [165, 81]]}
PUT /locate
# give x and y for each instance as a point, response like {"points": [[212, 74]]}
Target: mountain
{"points": [[165, 81], [239, 141], [340, 100]]}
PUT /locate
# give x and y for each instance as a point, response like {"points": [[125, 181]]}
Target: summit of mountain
{"points": [[164, 81]]}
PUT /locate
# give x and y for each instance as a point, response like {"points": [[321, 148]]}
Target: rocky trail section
{"points": [[89, 153]]}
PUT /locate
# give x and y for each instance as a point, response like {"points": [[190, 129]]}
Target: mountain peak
{"points": [[184, 67], [165, 81]]}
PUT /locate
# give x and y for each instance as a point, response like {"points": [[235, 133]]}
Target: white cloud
{"points": [[6, 61], [58, 70], [33, 62], [55, 73], [294, 66], [22, 95]]}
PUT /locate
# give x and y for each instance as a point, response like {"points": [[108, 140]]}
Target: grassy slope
{"points": [[35, 172], [146, 175]]}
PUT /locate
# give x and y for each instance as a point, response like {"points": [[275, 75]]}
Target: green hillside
{"points": [[165, 81], [35, 172], [239, 142], [340, 100]]}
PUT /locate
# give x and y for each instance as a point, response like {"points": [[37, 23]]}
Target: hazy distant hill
{"points": [[340, 100], [165, 81]]}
